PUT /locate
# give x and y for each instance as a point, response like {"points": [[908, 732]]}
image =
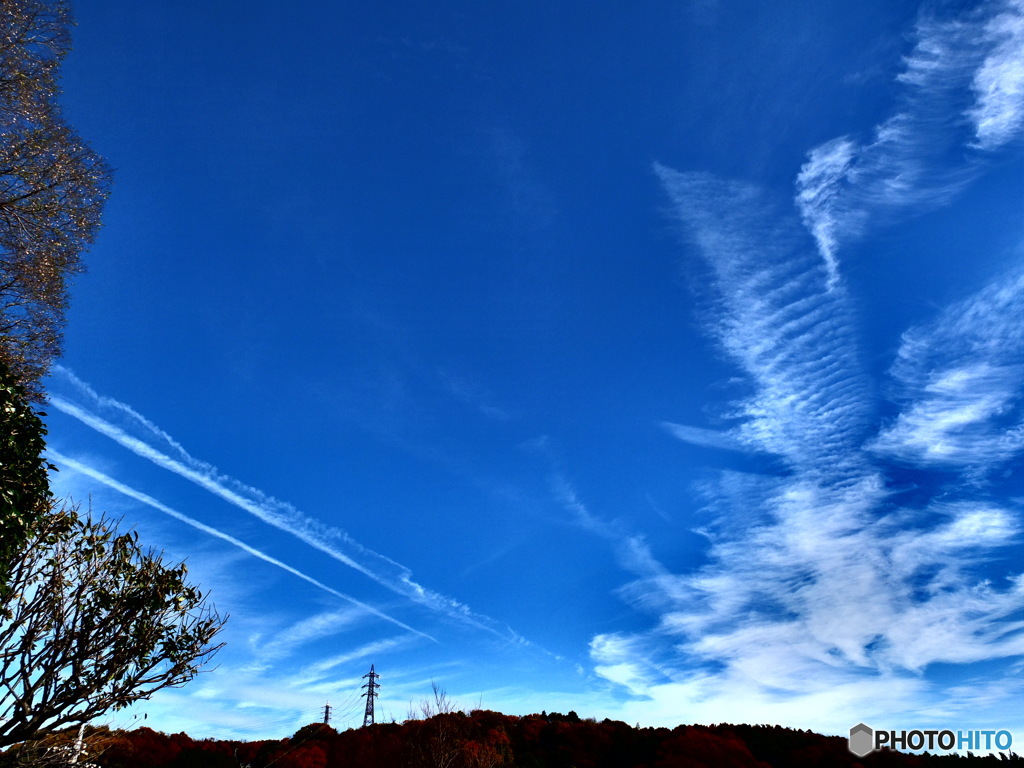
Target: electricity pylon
{"points": [[371, 693]]}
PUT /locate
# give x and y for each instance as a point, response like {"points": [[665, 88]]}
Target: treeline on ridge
{"points": [[484, 739]]}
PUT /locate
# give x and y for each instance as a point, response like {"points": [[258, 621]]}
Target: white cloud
{"points": [[919, 158], [245, 701], [313, 673], [631, 550], [779, 321], [998, 112], [706, 438], [622, 660], [959, 384], [819, 581], [953, 420], [818, 186], [795, 625], [812, 695], [309, 629]]}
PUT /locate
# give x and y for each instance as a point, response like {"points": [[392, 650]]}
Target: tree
{"points": [[36, 37], [24, 483], [93, 623], [58, 750], [437, 741], [52, 188]]}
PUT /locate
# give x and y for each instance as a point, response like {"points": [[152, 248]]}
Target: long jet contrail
{"points": [[271, 511], [120, 487]]}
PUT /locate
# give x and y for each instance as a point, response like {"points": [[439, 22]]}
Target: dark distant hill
{"points": [[486, 739]]}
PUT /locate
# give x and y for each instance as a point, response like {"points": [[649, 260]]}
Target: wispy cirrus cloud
{"points": [[313, 673], [631, 550], [998, 85], [707, 438], [958, 380], [819, 197], [961, 98], [830, 573], [285, 641], [128, 428], [778, 321]]}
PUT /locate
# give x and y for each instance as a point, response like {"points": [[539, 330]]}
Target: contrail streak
{"points": [[120, 487], [280, 515]]}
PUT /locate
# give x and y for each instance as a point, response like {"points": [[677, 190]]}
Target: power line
{"points": [[371, 693]]}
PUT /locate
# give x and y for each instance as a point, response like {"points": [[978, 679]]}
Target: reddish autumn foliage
{"points": [[492, 740]]}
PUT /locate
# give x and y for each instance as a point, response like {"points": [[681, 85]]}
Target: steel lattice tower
{"points": [[371, 693]]}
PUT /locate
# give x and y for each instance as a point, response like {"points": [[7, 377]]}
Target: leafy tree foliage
{"points": [[93, 623], [52, 188], [24, 485]]}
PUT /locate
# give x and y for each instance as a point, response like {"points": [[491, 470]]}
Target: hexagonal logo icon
{"points": [[862, 740]]}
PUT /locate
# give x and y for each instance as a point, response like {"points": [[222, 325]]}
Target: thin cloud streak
{"points": [[149, 501], [706, 438], [314, 673], [280, 515], [632, 551], [312, 628]]}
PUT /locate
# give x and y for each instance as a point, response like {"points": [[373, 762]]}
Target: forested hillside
{"points": [[484, 739]]}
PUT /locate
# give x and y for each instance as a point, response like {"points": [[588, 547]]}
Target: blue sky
{"points": [[661, 362]]}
